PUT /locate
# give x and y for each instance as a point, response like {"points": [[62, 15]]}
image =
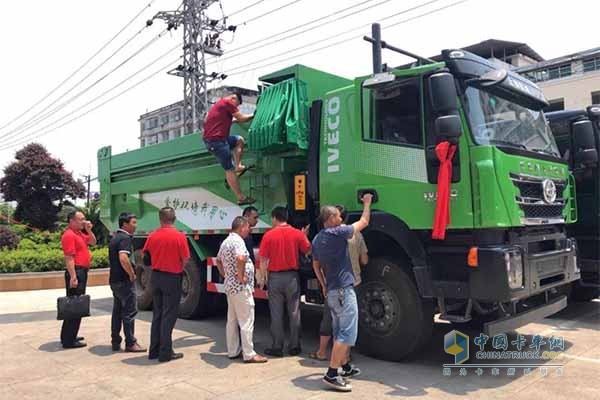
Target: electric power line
{"points": [[269, 12], [338, 42], [39, 118], [245, 8], [20, 139], [262, 45], [105, 45], [407, 10], [162, 69]]}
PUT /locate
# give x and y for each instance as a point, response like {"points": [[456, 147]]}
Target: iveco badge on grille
{"points": [[549, 191]]}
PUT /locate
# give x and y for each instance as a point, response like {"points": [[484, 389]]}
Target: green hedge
{"points": [[43, 259]]}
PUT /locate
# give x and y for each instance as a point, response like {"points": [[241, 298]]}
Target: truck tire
{"points": [[196, 301], [143, 288], [394, 321]]}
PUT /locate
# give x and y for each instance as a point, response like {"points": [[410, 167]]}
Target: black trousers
{"points": [[70, 327], [124, 312], [166, 293]]}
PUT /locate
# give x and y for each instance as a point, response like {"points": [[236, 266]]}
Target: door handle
{"points": [[361, 192]]}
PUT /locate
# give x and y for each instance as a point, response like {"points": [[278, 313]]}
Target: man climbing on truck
{"points": [[228, 149]]}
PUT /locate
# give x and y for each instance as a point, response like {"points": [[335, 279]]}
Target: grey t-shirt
{"points": [[330, 248]]}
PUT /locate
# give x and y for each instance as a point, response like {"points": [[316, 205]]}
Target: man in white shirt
{"points": [[234, 263]]}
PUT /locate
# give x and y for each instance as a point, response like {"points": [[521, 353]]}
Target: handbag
{"points": [[73, 307]]}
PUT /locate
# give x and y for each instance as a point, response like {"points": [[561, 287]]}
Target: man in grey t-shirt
{"points": [[330, 252]]}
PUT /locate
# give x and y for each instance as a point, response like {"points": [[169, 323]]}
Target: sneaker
{"points": [[351, 373], [338, 383]]}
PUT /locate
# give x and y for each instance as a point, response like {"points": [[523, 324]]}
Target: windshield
{"points": [[501, 122]]}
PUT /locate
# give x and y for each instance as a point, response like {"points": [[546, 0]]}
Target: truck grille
{"points": [[531, 198]]}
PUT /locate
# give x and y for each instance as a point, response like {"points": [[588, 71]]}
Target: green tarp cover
{"points": [[281, 117]]}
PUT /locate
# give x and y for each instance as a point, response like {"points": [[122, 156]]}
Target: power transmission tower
{"points": [[200, 38]]}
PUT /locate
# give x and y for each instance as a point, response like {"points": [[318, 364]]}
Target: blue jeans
{"points": [[344, 315], [221, 149]]}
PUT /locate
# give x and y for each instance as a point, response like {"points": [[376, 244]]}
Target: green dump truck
{"points": [[577, 134], [318, 139]]}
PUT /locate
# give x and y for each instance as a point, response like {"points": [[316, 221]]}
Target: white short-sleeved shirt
{"points": [[232, 247]]}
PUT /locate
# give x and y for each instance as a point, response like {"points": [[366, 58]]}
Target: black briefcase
{"points": [[73, 307]]}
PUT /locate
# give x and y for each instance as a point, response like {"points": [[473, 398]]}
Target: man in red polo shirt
{"points": [[279, 251], [167, 251], [227, 149], [77, 261]]}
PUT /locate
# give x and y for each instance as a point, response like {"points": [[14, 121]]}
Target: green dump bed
{"points": [[182, 174]]}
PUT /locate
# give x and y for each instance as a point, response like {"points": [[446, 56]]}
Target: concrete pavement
{"points": [[33, 365]]}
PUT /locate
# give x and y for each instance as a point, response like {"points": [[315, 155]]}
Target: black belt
{"points": [[285, 270]]}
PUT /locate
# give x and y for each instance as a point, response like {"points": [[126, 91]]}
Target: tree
{"points": [[39, 184]]}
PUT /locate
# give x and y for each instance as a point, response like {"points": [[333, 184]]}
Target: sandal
{"points": [[246, 200], [244, 170], [315, 356]]}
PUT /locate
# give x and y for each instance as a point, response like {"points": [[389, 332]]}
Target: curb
{"points": [[47, 280]]}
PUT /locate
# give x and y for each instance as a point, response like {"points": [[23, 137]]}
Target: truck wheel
{"points": [[196, 301], [394, 321], [143, 289]]}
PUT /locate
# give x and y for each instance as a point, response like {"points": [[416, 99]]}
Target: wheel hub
{"points": [[378, 307], [185, 286]]}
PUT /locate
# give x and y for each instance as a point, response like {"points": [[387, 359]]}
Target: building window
{"points": [[547, 74], [151, 140], [592, 64], [151, 123], [596, 97], [176, 115], [164, 119], [555, 105]]}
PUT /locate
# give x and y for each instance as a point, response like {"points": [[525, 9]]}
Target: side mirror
{"points": [[448, 127], [584, 143], [442, 92]]}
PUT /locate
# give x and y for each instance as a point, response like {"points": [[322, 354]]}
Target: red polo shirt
{"points": [[75, 243], [281, 246], [218, 120], [168, 248]]}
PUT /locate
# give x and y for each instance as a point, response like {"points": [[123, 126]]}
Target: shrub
{"points": [[40, 260], [8, 239]]}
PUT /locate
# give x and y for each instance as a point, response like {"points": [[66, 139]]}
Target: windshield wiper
{"points": [[507, 143], [544, 151]]}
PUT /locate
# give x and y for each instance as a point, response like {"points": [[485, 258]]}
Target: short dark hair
{"points": [[280, 213], [166, 215], [125, 218], [343, 212], [327, 212], [238, 222], [248, 210], [71, 215], [239, 96]]}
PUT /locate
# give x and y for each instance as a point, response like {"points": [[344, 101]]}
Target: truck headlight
{"points": [[514, 269]]}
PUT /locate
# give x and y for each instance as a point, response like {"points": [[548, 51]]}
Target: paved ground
{"points": [[33, 365]]}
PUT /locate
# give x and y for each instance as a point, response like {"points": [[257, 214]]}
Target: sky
{"points": [[44, 42]]}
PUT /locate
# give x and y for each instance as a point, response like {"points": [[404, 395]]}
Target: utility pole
{"points": [[88, 179], [200, 38]]}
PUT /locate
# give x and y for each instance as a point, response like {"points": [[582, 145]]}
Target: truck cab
{"points": [[577, 134]]}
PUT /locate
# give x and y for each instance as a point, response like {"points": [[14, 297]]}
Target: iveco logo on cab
{"points": [[549, 191], [332, 135]]}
